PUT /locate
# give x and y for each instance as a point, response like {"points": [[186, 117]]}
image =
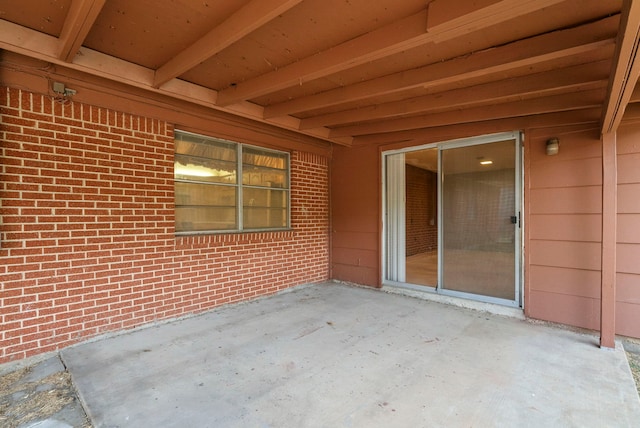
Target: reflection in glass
{"points": [[210, 181], [204, 207], [264, 168], [478, 233], [264, 208]]}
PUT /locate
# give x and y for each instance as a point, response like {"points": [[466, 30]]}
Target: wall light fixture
{"points": [[553, 145]]}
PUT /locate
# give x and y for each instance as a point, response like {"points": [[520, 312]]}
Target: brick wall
{"points": [[87, 232], [421, 206]]}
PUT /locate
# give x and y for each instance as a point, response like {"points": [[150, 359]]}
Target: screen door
{"points": [[480, 219]]}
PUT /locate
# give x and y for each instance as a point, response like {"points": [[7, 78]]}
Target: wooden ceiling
{"points": [[352, 71]]}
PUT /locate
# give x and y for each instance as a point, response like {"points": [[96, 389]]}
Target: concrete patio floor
{"points": [[332, 355]]}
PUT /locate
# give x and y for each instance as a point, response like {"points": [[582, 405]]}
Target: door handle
{"points": [[514, 219]]}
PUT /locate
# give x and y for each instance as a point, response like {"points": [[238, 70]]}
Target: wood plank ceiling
{"points": [[352, 71]]}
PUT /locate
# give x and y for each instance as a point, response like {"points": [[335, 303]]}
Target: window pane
{"points": [[264, 208], [205, 207], [204, 159], [201, 169], [264, 168], [266, 158], [264, 177], [187, 144], [263, 218], [207, 185], [195, 219], [205, 194], [264, 198]]}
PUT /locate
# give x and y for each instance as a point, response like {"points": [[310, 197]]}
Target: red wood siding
{"points": [[628, 248], [565, 229], [355, 208], [87, 232]]}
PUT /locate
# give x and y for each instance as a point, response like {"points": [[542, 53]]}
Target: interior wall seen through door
{"points": [[421, 210]]}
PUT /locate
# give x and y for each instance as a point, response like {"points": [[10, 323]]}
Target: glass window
{"points": [[214, 191]]}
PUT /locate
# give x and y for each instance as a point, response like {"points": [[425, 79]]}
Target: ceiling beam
{"points": [[551, 104], [80, 18], [403, 34], [452, 19], [28, 42], [635, 95], [626, 67], [246, 20], [448, 132], [527, 52], [35, 44], [576, 78]]}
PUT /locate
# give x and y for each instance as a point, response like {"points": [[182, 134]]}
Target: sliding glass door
{"points": [[479, 219], [452, 220]]}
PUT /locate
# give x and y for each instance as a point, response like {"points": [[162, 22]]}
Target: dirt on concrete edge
{"points": [[632, 348], [39, 392], [634, 364]]}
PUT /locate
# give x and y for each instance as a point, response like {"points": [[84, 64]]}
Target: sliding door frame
{"points": [[518, 190], [519, 232]]}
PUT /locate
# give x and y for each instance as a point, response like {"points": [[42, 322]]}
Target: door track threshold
{"points": [[492, 308]]}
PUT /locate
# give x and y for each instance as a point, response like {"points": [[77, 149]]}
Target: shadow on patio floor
{"points": [[335, 355]]}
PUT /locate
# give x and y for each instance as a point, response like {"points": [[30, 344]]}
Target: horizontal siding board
{"points": [[628, 139], [355, 257], [628, 258], [566, 309], [571, 173], [577, 255], [628, 289], [357, 240], [629, 229], [355, 221], [628, 168], [629, 198], [576, 200], [577, 282], [566, 227], [355, 274], [627, 316]]}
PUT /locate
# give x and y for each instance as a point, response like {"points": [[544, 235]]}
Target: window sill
{"points": [[255, 236]]}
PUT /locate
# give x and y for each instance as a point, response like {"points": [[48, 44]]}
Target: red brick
{"points": [[102, 218]]}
